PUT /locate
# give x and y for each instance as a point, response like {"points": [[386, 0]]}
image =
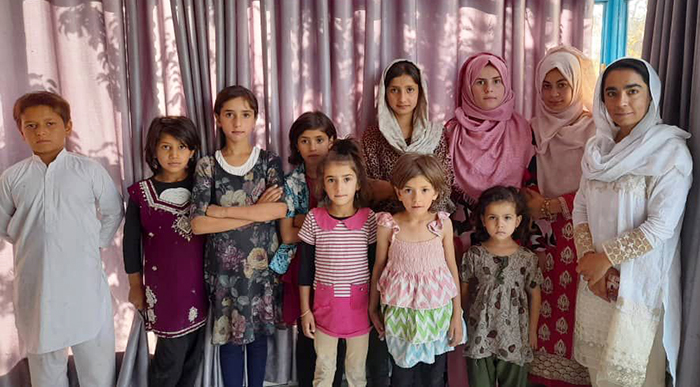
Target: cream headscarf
{"points": [[562, 136], [426, 135]]}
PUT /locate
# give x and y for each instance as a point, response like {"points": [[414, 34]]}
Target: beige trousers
{"points": [[355, 358]]}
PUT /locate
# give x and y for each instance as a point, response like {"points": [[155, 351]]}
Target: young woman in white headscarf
{"points": [[562, 125], [403, 126], [636, 173]]}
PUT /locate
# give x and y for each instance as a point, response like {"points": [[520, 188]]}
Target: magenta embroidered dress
{"points": [[173, 267]]}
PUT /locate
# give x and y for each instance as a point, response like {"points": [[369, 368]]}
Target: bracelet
{"points": [[305, 313], [546, 212]]}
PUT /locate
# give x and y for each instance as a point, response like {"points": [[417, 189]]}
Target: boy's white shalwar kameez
{"points": [[61, 295]]}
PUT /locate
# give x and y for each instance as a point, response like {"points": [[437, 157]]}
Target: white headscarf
{"points": [[426, 135], [561, 136], [651, 149], [646, 289]]}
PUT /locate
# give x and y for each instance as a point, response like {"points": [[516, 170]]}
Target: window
{"points": [[618, 30]]}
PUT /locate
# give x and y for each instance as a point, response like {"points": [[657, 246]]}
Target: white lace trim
{"points": [[619, 351], [241, 169]]}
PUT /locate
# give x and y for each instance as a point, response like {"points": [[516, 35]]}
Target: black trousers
{"points": [[306, 360], [421, 374], [176, 360], [378, 361]]}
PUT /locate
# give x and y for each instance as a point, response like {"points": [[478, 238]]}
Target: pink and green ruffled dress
{"points": [[416, 291]]}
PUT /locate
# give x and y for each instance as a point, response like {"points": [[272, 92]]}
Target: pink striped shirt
{"points": [[341, 247]]}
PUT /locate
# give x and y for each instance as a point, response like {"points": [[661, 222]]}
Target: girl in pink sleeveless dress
{"points": [[415, 275]]}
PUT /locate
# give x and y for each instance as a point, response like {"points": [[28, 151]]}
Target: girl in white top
{"points": [[627, 216]]}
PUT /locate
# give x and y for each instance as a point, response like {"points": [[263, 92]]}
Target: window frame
{"points": [[613, 43]]}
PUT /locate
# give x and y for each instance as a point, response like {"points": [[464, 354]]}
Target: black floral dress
{"points": [[236, 270]]}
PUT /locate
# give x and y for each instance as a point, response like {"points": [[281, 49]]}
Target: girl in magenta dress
{"points": [[163, 258]]}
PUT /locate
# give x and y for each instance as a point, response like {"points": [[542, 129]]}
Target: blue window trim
{"points": [[614, 30]]}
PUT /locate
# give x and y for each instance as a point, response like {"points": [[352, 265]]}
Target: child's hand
{"points": [[308, 325], [271, 195], [137, 297], [299, 220], [533, 338], [215, 211], [378, 321], [455, 333]]}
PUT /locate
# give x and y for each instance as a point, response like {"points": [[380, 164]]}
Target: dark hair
{"points": [[405, 67], [228, 93], [501, 194], [41, 98], [308, 121], [182, 128], [410, 165], [625, 64], [345, 151]]}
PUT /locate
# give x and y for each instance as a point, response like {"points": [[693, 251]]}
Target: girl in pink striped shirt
{"points": [[337, 238]]}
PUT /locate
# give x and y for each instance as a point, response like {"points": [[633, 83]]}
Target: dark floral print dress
{"points": [[236, 269]]}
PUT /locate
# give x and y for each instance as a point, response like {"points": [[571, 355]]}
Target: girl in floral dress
{"points": [[502, 281], [416, 275], [236, 199]]}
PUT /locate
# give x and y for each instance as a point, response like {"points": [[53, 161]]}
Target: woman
{"points": [[490, 144], [403, 126], [562, 126], [627, 217]]}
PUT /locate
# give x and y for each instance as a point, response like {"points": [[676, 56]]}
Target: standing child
{"points": [[166, 279], [310, 138], [416, 275], [236, 200], [336, 242], [501, 275], [48, 211]]}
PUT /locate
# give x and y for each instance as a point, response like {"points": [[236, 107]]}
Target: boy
{"points": [[48, 211]]}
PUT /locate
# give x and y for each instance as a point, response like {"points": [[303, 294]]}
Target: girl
{"points": [[501, 275], [636, 173], [562, 126], [310, 138], [403, 126], [236, 200], [419, 284], [490, 144], [337, 240], [166, 279]]}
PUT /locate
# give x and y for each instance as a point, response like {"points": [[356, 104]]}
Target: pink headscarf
{"points": [[561, 136], [488, 147]]}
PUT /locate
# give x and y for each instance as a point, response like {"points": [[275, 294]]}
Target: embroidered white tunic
{"points": [[50, 215], [653, 205], [630, 205]]}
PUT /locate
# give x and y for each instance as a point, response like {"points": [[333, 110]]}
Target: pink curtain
{"points": [[122, 62]]}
